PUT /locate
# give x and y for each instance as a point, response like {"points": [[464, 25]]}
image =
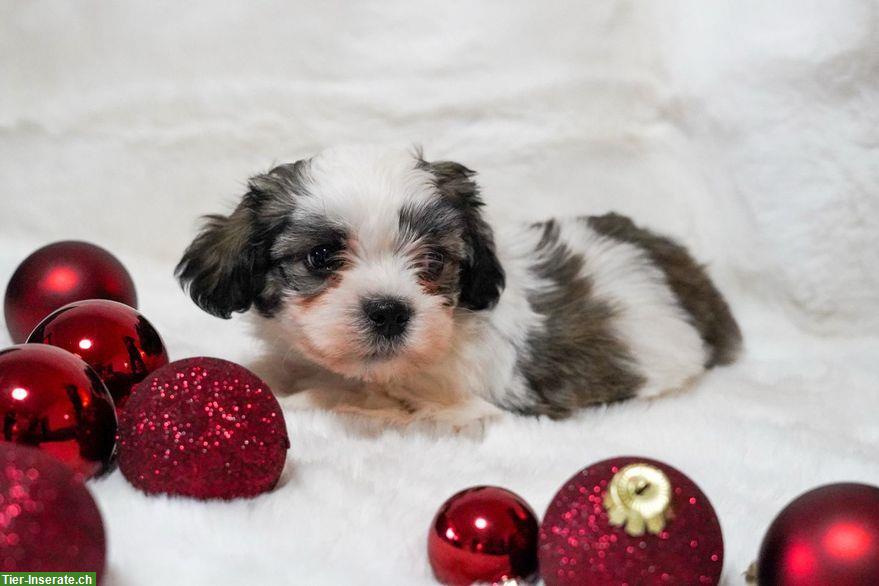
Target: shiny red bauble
{"points": [[484, 535], [829, 535], [677, 543], [52, 400], [58, 274], [120, 345], [49, 520], [205, 428]]}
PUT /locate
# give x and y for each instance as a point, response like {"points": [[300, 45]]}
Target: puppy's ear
{"points": [[482, 276], [225, 268]]}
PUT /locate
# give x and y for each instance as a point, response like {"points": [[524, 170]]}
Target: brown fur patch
{"points": [[575, 360]]}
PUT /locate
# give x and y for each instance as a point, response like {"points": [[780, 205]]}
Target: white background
{"points": [[750, 130]]}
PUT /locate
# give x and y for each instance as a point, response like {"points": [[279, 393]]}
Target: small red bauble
{"points": [[630, 520], [49, 520], [120, 345], [205, 428], [829, 535], [58, 274], [51, 399], [481, 535]]}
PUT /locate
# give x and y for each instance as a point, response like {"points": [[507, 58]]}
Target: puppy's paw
{"points": [[352, 402], [471, 418], [379, 409]]}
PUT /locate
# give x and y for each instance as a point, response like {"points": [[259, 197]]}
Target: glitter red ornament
{"points": [[205, 428], [120, 345], [630, 520], [51, 399], [58, 274], [49, 520], [829, 535], [481, 535]]}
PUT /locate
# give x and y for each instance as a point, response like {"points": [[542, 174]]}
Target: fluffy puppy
{"points": [[373, 272]]}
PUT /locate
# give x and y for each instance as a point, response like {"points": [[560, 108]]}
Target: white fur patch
{"points": [[667, 349], [364, 187]]}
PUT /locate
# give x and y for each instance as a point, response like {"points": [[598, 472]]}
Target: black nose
{"points": [[387, 316]]}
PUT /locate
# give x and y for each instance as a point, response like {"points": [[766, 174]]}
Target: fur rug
{"points": [[748, 131]]}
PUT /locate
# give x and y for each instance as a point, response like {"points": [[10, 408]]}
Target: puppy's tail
{"points": [[722, 333]]}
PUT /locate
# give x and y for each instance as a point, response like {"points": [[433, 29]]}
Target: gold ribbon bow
{"points": [[639, 499]]}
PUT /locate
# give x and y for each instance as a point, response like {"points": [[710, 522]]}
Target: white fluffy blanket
{"points": [[750, 131]]}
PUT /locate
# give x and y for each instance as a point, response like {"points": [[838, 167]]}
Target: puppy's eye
{"points": [[323, 258], [431, 266]]}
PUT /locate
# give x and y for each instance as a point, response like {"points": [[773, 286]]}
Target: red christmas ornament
{"points": [[829, 535], [630, 521], [51, 399], [58, 274], [120, 345], [49, 520], [205, 428], [483, 534]]}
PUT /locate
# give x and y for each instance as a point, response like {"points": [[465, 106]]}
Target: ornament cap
{"points": [[638, 499]]}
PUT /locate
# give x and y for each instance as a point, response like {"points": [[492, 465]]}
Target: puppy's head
{"points": [[364, 255]]}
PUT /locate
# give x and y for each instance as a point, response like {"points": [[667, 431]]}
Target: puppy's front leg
{"points": [[468, 415]]}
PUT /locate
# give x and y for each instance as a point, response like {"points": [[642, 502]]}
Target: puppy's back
{"points": [[708, 309]]}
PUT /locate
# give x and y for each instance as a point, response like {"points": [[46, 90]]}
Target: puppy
{"points": [[374, 272]]}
